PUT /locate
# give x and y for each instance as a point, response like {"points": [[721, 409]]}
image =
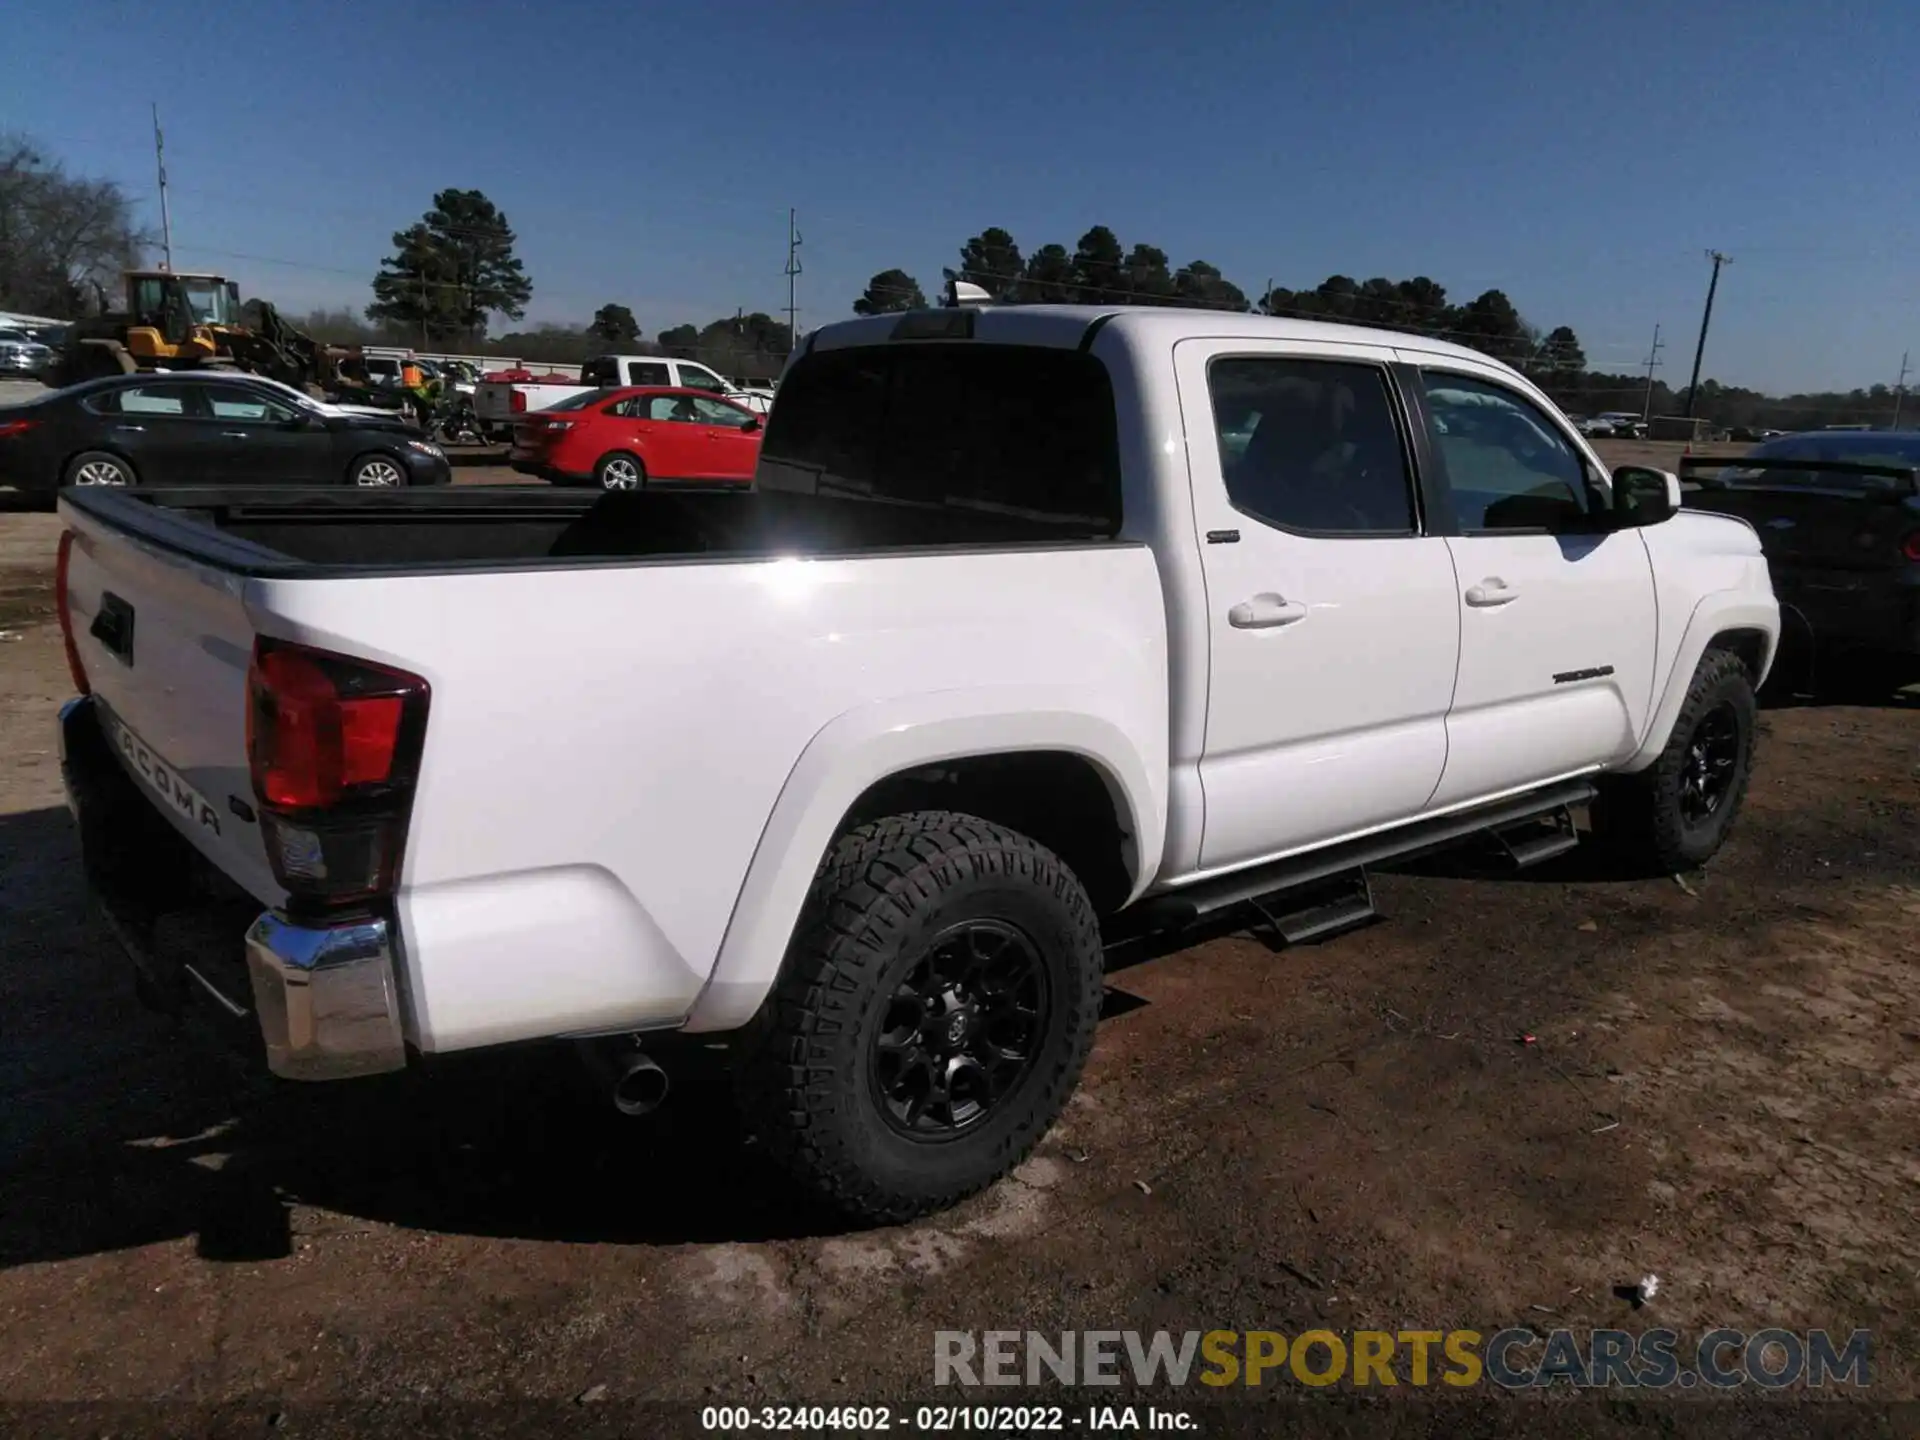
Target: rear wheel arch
{"points": [[1075, 782]]}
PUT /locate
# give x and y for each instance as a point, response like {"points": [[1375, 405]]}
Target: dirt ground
{"points": [[1720, 1090]]}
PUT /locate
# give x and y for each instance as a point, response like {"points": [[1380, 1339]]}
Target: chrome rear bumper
{"points": [[327, 999]]}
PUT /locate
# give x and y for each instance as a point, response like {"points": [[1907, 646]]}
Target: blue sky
{"points": [[1580, 156]]}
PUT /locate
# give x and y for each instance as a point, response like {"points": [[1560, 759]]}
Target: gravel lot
{"points": [[1721, 1090]]}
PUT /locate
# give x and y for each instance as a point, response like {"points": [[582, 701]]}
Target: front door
{"points": [[257, 438], [1332, 617], [1556, 616], [732, 449]]}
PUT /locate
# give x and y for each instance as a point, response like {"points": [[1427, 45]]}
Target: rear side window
{"points": [[649, 375], [601, 371], [1311, 445], [1005, 429], [160, 398]]}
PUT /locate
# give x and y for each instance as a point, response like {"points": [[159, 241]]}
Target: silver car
{"points": [[21, 354]]}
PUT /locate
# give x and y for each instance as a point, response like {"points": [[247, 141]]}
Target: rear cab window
{"points": [[1014, 430]]}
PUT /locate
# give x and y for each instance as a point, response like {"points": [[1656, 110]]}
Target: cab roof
{"points": [[1069, 326]]}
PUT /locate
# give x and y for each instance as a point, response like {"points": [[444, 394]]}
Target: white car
{"points": [[853, 770]]}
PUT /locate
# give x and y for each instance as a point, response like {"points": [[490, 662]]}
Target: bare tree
{"points": [[60, 235]]}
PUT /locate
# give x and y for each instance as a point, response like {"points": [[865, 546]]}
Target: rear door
{"points": [[672, 437], [1332, 615], [165, 641], [161, 426], [266, 441]]}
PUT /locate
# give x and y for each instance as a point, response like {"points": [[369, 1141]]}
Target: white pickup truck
{"points": [[499, 403], [1041, 627]]}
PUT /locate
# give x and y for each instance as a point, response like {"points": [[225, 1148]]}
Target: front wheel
{"points": [[1677, 813], [933, 1016], [97, 467], [376, 472]]}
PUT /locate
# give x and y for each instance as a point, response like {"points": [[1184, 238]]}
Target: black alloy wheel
{"points": [[962, 1029]]}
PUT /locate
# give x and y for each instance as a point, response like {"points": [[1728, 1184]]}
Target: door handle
{"points": [[236, 434], [1264, 611], [1490, 592], [131, 429]]}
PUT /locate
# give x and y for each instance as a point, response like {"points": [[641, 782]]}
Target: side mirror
{"points": [[752, 425], [1643, 495]]}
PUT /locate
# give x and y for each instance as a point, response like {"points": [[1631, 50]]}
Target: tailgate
{"points": [[493, 400], [165, 642]]}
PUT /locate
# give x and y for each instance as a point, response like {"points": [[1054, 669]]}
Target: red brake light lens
{"points": [[518, 402], [334, 747], [10, 428], [1910, 547], [65, 612]]}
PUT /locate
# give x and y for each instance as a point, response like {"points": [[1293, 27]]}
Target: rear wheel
{"points": [[935, 1011], [620, 471], [97, 467], [1676, 813], [376, 472]]}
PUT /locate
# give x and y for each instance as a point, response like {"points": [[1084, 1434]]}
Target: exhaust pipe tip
{"points": [[640, 1086]]}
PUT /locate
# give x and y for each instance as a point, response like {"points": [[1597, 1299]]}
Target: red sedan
{"points": [[623, 439]]}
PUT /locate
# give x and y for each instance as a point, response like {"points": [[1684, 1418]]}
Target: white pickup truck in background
{"points": [[1040, 626], [499, 403]]}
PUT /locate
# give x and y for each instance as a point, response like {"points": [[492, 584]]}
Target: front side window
{"points": [[1311, 445], [1017, 430], [1508, 467], [718, 412]]}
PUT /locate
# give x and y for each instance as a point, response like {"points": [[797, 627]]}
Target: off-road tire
{"points": [[1639, 816], [885, 890]]}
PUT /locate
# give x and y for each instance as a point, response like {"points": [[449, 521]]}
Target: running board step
{"points": [[1327, 910], [1535, 841], [1189, 903]]}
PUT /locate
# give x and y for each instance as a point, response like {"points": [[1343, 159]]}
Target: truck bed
{"points": [[308, 534]]}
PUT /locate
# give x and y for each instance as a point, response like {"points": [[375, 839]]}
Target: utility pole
{"points": [[793, 269], [1693, 386], [1653, 363], [1900, 389], [166, 221]]}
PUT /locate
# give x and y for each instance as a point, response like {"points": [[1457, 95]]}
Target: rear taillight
{"points": [[1910, 547], [65, 611], [334, 747], [554, 426], [10, 428], [518, 402]]}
